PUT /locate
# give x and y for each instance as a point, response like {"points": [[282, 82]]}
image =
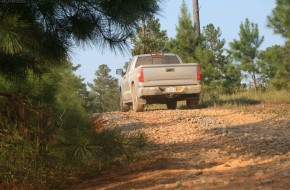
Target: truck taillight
{"points": [[140, 75], [198, 73]]}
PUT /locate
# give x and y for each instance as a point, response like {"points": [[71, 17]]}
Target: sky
{"points": [[225, 14]]}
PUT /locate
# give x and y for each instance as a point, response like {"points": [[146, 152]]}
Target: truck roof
{"points": [[157, 54]]}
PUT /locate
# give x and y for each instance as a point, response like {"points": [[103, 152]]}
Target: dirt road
{"points": [[203, 149]]}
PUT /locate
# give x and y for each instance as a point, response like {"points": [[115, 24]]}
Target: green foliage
{"points": [[13, 40], [275, 67], [185, 42], [279, 19], [104, 91], [37, 34], [275, 60], [98, 150], [35, 110], [25, 46], [46, 137], [41, 100], [246, 50], [57, 94], [219, 75], [153, 40]]}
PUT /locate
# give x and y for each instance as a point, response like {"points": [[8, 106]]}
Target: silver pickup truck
{"points": [[159, 79]]}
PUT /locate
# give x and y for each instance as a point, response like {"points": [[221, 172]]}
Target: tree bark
{"points": [[196, 17], [255, 81], [143, 34]]}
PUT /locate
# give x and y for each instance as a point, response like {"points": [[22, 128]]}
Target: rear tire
{"points": [[123, 107], [171, 105], [137, 107]]}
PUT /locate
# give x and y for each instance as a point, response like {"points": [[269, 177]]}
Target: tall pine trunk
{"points": [[143, 34], [196, 17], [255, 81]]}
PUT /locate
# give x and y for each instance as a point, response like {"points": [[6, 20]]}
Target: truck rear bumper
{"points": [[167, 90]]}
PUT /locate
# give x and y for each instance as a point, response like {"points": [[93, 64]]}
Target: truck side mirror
{"points": [[120, 72]]}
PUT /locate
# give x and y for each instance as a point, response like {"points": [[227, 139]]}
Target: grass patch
{"points": [[277, 102], [248, 98], [73, 156]]}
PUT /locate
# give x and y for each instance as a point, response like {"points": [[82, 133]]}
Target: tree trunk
{"points": [[143, 34], [143, 28], [196, 17], [255, 81]]}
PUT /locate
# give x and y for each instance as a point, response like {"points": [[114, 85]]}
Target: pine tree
{"points": [[279, 20], [275, 67], [219, 75], [275, 60], [186, 41], [104, 91], [246, 50], [37, 34], [153, 40]]}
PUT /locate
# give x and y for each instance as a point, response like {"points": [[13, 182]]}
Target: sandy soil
{"points": [[202, 149]]}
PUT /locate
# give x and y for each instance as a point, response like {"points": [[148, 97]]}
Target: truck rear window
{"points": [[157, 60]]}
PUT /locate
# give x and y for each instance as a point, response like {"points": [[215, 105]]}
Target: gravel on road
{"points": [[202, 149]]}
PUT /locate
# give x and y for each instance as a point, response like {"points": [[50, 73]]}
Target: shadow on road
{"points": [[230, 157]]}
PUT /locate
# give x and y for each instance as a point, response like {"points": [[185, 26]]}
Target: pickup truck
{"points": [[160, 78]]}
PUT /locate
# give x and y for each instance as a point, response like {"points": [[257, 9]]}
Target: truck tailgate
{"points": [[173, 74]]}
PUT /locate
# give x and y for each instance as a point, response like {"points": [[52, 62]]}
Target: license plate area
{"points": [[170, 89]]}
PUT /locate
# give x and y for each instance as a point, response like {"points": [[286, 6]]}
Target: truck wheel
{"points": [[192, 104], [137, 107], [171, 105], [123, 107]]}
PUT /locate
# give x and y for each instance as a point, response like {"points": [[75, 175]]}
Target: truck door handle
{"points": [[170, 69]]}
